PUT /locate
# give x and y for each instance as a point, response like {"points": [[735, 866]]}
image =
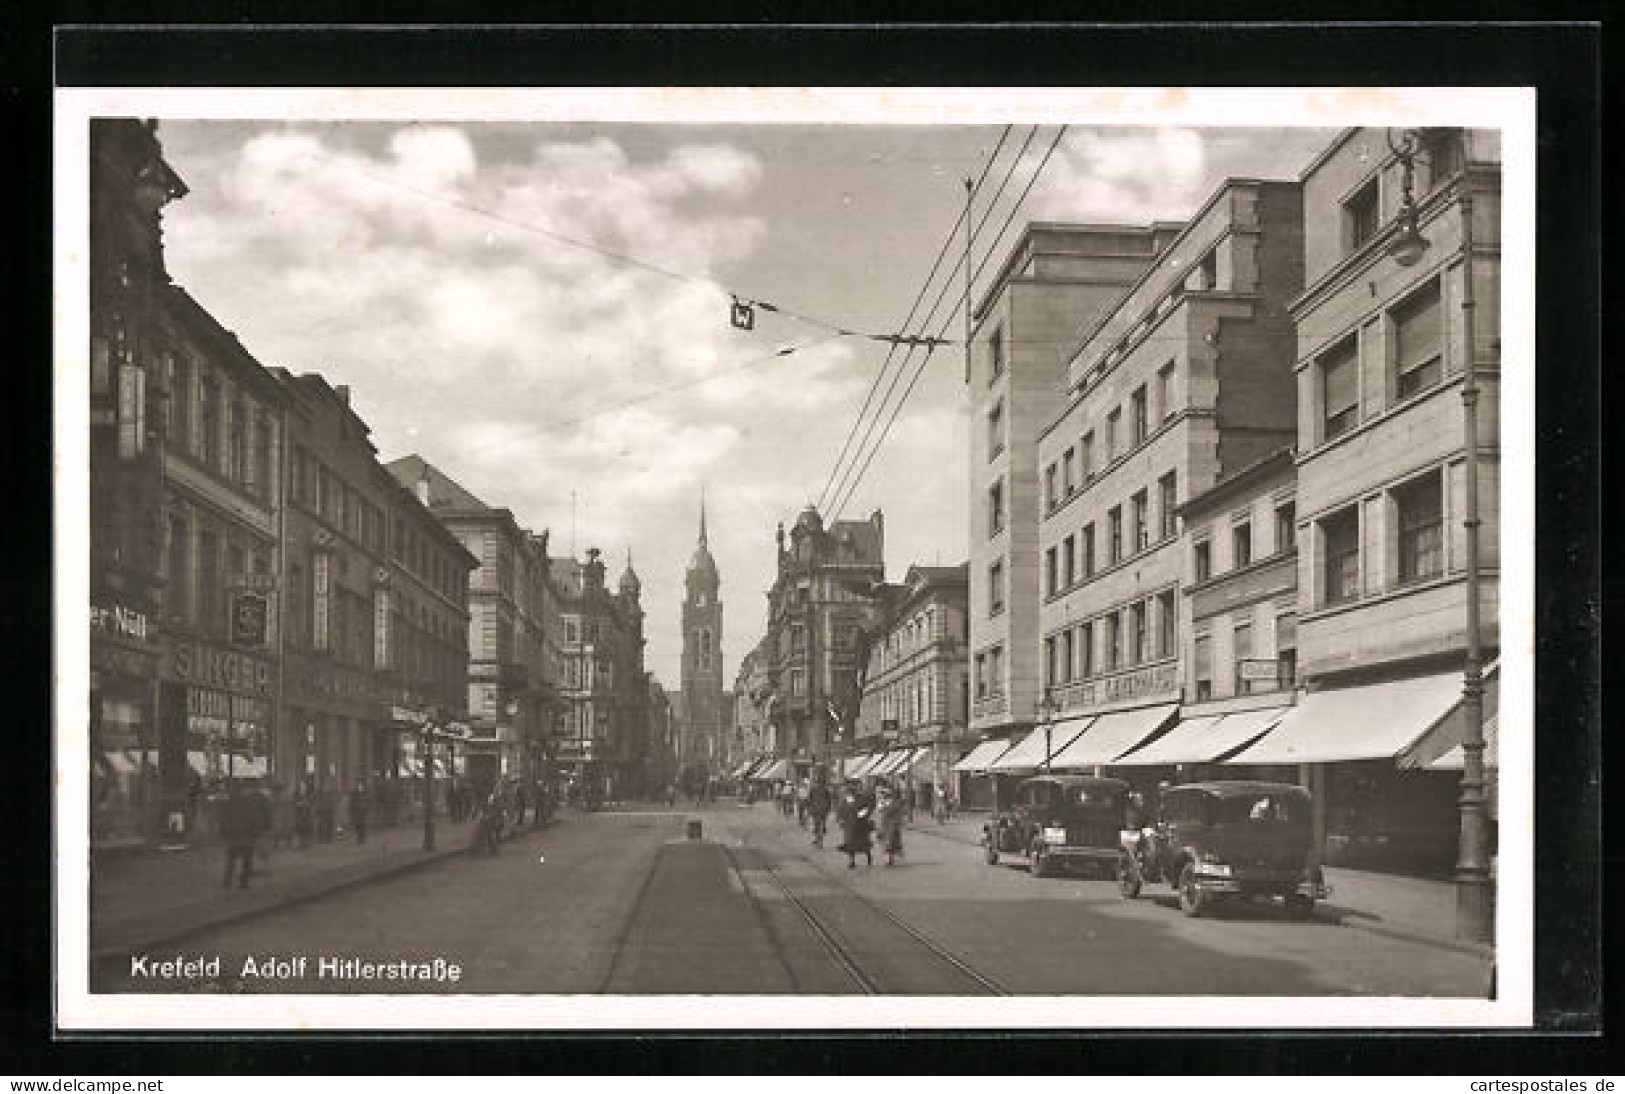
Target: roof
{"points": [[445, 492], [1278, 460], [1236, 788]]}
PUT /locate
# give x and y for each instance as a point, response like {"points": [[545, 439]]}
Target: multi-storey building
{"points": [[818, 608], [221, 514], [662, 736], [1186, 380], [751, 692], [604, 689], [375, 602], [1383, 329], [915, 690], [1057, 280], [129, 185], [514, 656]]}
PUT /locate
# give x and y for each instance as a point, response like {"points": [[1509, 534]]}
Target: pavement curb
{"points": [[321, 885]]}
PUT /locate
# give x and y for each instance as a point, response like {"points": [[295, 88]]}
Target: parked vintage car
{"points": [[1216, 841], [1059, 821]]}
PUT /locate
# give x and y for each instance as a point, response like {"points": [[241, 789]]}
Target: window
{"points": [[1286, 650], [1340, 387], [995, 508], [208, 582], [1114, 640], [995, 429], [1207, 272], [180, 398], [1165, 624], [1111, 433], [1069, 561], [1142, 633], [1442, 152], [1360, 216], [1114, 543], [996, 668], [1050, 572], [1167, 504], [208, 414], [1241, 545], [259, 466], [1421, 527], [1088, 455], [1088, 550], [1049, 487], [1066, 657], [1068, 467], [236, 442], [1086, 647], [1140, 413], [1242, 647], [178, 569], [1165, 391], [572, 629], [1142, 520], [1286, 527], [1203, 557], [981, 676], [1051, 670], [1202, 668], [1418, 360], [995, 588], [1341, 533], [995, 346], [319, 501]]}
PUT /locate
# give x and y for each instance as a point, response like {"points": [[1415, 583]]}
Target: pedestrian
{"points": [[890, 809], [818, 806], [304, 815], [944, 804], [244, 816], [521, 805], [360, 810], [801, 802], [855, 816], [326, 815]]}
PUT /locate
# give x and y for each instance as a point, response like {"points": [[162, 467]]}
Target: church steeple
{"points": [[702, 516]]}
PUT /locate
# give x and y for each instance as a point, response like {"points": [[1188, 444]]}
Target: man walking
{"points": [[819, 801], [360, 810], [245, 816]]}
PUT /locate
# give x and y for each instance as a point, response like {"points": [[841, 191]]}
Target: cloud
{"points": [[1123, 175]]}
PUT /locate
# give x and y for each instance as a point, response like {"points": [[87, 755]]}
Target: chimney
{"points": [[423, 484], [343, 392]]}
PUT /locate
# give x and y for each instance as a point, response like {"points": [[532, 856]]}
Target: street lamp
{"points": [[1046, 710], [1407, 246]]}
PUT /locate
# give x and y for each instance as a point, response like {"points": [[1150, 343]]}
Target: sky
{"points": [[542, 310]]}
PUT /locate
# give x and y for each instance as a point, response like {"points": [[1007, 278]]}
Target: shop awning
{"points": [[980, 758], [1029, 754], [1204, 740], [199, 763], [739, 771], [755, 765], [1456, 758], [1439, 749], [864, 765], [778, 769], [1113, 734], [896, 762], [123, 762], [1369, 722], [248, 767]]}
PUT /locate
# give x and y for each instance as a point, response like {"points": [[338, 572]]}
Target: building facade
{"points": [[1187, 380], [916, 691], [818, 608], [1057, 280], [129, 185], [603, 742], [1381, 467], [752, 692], [513, 632]]}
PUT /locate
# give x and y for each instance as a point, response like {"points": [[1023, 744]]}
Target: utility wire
{"points": [[920, 370], [902, 367], [874, 385]]}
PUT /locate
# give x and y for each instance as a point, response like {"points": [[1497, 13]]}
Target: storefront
{"points": [[214, 726], [124, 799]]}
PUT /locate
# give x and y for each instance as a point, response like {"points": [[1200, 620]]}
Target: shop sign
{"points": [[1143, 684], [408, 716], [120, 620], [224, 706], [1255, 669], [250, 617], [208, 666]]}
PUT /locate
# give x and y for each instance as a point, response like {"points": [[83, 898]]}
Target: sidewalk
{"points": [[1413, 909], [142, 900]]}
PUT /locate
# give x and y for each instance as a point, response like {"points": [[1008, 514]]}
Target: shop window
{"points": [[1360, 216], [1418, 342], [1341, 535], [1340, 387], [1241, 545], [1420, 508]]}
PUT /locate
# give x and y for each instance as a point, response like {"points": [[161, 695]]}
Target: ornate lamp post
{"points": [[1407, 247]]}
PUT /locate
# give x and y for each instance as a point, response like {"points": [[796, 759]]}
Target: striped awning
{"points": [[980, 758], [1030, 754], [1205, 739], [1113, 734]]}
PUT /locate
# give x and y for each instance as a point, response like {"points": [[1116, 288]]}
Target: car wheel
{"points": [[991, 851], [1299, 906], [1192, 901], [1128, 876]]}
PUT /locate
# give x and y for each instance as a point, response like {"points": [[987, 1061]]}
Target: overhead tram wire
{"points": [[874, 385], [920, 370], [903, 365]]}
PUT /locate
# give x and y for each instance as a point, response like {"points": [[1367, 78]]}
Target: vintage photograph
{"points": [[1047, 550]]}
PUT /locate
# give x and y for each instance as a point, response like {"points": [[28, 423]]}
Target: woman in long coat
{"points": [[889, 813], [854, 814]]}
